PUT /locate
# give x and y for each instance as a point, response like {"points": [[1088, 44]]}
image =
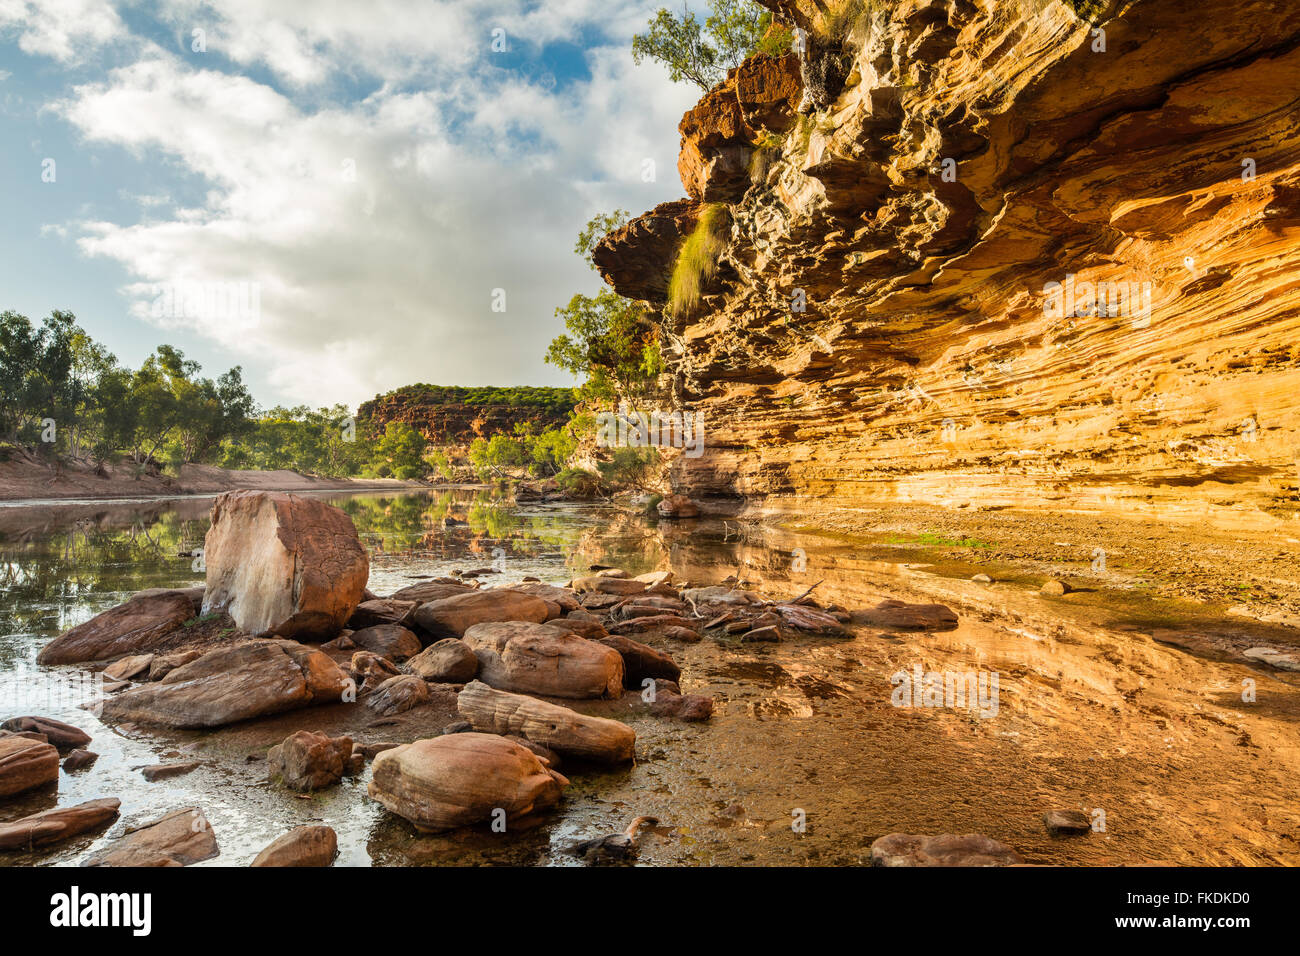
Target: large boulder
{"points": [[461, 779], [234, 683], [136, 627], [544, 659], [453, 616], [450, 661], [283, 564], [308, 761], [301, 846], [61, 823], [971, 849], [563, 730], [25, 764], [178, 839], [565, 598]]}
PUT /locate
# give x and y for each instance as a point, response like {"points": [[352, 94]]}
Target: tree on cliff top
{"points": [[702, 54], [611, 341]]}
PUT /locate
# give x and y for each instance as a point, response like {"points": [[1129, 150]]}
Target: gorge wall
{"points": [[883, 324]]}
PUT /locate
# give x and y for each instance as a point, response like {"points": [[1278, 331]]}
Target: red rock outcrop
{"points": [[1022, 257]]}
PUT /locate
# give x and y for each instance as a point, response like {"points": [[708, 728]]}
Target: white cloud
{"points": [[60, 29], [470, 181]]}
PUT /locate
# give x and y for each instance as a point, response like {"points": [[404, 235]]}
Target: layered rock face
{"points": [[1020, 257]]}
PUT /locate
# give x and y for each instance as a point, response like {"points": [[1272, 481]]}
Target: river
{"points": [[807, 759]]}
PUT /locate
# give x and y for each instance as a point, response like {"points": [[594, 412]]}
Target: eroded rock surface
{"points": [[283, 564]]}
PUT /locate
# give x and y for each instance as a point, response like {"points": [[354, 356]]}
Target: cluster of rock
{"points": [[509, 654]]}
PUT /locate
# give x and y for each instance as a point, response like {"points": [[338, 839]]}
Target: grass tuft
{"points": [[697, 260]]}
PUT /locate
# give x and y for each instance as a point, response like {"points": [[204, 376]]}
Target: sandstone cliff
{"points": [[1005, 252]]}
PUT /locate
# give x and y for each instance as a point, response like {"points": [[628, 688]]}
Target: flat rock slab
{"points": [[382, 611], [453, 616], [563, 730], [178, 839], [460, 779], [136, 627], [165, 771], [26, 764], [1273, 657], [1067, 822], [62, 736], [61, 823], [393, 641], [602, 584], [282, 564], [901, 616], [564, 597], [301, 846], [971, 849], [427, 591], [234, 683], [544, 659]]}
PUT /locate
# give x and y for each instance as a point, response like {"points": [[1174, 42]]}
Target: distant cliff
{"points": [[453, 415], [1008, 252]]}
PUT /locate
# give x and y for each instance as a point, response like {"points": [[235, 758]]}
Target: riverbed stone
{"points": [[1067, 822], [308, 761], [544, 659], [234, 683], [63, 736], [560, 728], [434, 590], [450, 661], [136, 627], [180, 838], [166, 663], [383, 611], [302, 846], [129, 667], [165, 771], [398, 695], [601, 584], [79, 760], [641, 661], [60, 823], [971, 849], [460, 779], [901, 616], [283, 564], [26, 764], [392, 641], [453, 616]]}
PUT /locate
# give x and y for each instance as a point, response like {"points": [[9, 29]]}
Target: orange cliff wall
{"points": [[931, 362]]}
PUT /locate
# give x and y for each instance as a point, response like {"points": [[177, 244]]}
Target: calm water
{"points": [[1157, 740]]}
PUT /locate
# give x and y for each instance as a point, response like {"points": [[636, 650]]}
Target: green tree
{"points": [[702, 54], [401, 450]]}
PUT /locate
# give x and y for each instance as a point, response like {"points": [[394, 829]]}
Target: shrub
{"points": [[579, 483], [697, 260]]}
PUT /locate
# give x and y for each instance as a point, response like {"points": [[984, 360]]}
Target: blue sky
{"points": [[375, 171]]}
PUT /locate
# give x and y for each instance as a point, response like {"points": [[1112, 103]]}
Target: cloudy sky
{"points": [[374, 170]]}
